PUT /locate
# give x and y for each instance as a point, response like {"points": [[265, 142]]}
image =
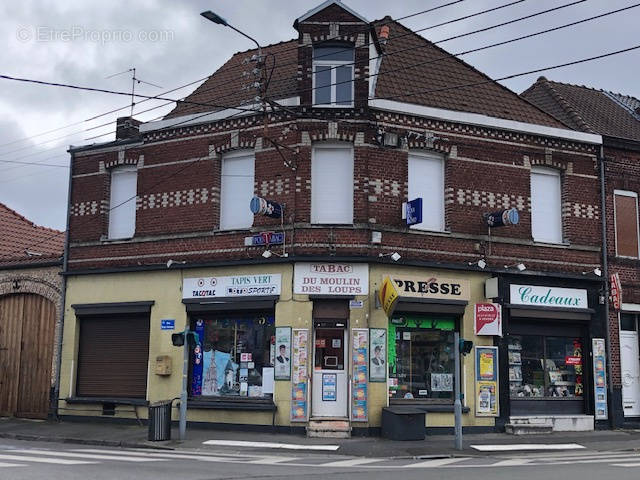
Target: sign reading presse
{"points": [[233, 286]]}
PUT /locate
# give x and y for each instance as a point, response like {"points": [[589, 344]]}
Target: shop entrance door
{"points": [[329, 386], [630, 363]]}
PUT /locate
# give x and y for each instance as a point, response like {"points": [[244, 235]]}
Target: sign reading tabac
{"points": [[331, 278], [553, 297], [394, 289]]}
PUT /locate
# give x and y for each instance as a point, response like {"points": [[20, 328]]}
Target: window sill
{"points": [[116, 240], [542, 243], [253, 404], [333, 106], [99, 400], [426, 407]]}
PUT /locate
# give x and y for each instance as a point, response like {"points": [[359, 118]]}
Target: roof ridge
{"points": [[26, 220], [261, 46], [564, 104]]}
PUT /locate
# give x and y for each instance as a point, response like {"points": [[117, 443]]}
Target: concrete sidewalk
{"points": [[134, 436]]}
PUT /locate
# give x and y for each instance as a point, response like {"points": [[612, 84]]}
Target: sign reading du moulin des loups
{"points": [[552, 297]]}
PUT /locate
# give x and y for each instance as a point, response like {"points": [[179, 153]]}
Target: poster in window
{"points": [[486, 380], [378, 355], [197, 367], [442, 382], [329, 387], [359, 410], [299, 380], [282, 361], [600, 378]]}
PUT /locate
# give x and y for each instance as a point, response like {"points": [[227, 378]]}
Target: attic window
{"points": [[333, 76]]}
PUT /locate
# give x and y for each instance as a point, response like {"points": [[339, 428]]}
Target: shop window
{"points": [[333, 76], [546, 200], [236, 190], [122, 202], [332, 184], [426, 181], [236, 358], [626, 221], [545, 367], [421, 358]]}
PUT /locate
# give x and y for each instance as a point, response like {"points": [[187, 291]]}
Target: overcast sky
{"points": [[82, 42]]}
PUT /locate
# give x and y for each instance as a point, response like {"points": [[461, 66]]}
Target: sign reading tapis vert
{"points": [[235, 286]]}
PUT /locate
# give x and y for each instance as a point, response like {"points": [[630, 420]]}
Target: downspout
{"points": [[65, 263], [605, 287]]}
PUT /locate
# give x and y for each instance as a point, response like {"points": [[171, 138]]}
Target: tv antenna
{"points": [[134, 80]]}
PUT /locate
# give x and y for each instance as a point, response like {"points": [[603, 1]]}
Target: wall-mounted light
{"points": [[596, 271], [520, 266], [269, 254], [395, 256], [171, 262], [482, 264]]}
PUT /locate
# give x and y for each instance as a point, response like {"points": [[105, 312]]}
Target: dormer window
{"points": [[333, 76]]}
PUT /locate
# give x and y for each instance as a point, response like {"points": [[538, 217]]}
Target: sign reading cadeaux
{"points": [[394, 289], [539, 296], [235, 286], [488, 319], [331, 278]]}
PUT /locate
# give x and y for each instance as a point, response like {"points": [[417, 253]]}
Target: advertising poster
{"points": [[486, 381], [378, 355], [299, 381], [359, 410], [282, 360], [329, 385], [197, 365], [487, 319], [600, 378]]}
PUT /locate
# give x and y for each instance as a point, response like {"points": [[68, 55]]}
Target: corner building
{"points": [[320, 317]]}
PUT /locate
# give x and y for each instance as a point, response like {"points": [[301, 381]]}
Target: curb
{"points": [[84, 441]]}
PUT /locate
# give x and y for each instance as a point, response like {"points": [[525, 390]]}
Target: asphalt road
{"points": [[21, 460]]}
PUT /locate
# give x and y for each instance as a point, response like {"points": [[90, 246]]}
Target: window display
{"points": [[545, 367], [421, 358], [236, 357]]}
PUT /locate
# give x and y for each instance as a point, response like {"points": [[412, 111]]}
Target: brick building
{"points": [[617, 118], [30, 315], [337, 307]]}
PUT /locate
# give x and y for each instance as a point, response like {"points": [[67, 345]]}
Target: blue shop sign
{"points": [[414, 211]]}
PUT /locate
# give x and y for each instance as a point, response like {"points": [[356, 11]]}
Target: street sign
{"points": [[167, 324]]}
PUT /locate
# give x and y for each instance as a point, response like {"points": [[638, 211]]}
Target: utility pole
{"points": [[183, 393]]}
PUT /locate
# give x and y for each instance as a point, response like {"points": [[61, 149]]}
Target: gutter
{"points": [[65, 264]]}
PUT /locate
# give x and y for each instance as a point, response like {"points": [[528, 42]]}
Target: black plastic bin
{"points": [[160, 421], [403, 423]]}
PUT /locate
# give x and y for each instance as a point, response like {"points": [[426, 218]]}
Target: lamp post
{"points": [[215, 18]]}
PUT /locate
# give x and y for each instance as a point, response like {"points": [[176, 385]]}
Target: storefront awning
{"points": [[194, 305]]}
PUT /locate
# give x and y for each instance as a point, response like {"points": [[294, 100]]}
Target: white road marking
{"points": [[58, 461], [625, 464], [272, 460], [512, 462], [3, 464], [286, 446], [437, 462], [527, 446], [351, 462], [91, 456]]}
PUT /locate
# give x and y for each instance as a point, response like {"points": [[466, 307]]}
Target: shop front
{"points": [[553, 360]]}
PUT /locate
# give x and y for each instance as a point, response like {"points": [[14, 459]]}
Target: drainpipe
{"points": [[605, 273], [65, 262]]}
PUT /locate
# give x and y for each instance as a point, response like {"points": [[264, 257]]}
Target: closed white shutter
{"points": [[238, 171], [122, 202], [546, 203], [426, 181], [332, 185]]}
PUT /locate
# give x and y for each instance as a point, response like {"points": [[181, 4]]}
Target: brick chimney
{"points": [[127, 128]]}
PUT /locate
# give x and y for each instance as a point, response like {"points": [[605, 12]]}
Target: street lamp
{"points": [[215, 18]]}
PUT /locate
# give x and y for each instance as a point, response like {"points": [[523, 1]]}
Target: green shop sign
{"points": [[552, 297]]}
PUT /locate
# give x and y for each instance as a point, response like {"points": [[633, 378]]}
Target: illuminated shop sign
{"points": [[433, 287], [553, 297], [235, 286]]}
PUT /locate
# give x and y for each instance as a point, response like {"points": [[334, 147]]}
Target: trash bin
{"points": [[403, 423], [160, 421]]}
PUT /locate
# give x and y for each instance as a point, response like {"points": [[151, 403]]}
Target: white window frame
{"points": [[111, 235], [541, 170], [625, 193], [333, 64], [328, 146], [425, 211], [224, 223]]}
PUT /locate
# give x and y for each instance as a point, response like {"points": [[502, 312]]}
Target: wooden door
{"points": [[27, 325]]}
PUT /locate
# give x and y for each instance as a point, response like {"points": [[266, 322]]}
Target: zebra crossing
{"points": [[12, 457]]}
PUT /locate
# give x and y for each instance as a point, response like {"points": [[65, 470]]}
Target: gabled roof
{"points": [[327, 4], [224, 87], [588, 109], [23, 242], [414, 64]]}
